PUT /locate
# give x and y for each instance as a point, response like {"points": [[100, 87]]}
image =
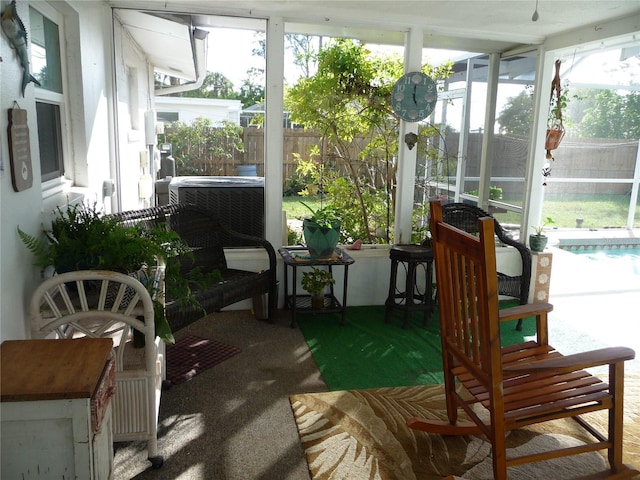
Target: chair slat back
{"points": [[94, 303], [468, 298]]}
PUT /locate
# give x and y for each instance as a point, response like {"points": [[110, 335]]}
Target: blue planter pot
{"points": [[247, 170], [321, 241]]}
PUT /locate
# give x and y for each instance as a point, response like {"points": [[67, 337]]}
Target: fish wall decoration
{"points": [[14, 29]]}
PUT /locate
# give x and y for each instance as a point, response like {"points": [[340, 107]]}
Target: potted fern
{"points": [[81, 238], [315, 281]]}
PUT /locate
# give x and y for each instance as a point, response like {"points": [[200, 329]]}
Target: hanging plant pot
{"points": [[553, 138], [321, 240], [557, 102]]}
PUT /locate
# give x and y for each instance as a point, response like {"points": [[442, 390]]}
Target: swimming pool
{"points": [[622, 259]]}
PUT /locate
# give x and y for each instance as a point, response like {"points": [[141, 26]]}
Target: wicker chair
{"points": [[104, 304], [465, 217], [208, 237]]}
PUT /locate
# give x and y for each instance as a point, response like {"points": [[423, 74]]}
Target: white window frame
{"points": [[57, 185]]}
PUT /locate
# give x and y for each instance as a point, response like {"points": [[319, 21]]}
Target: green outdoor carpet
{"points": [[367, 353]]}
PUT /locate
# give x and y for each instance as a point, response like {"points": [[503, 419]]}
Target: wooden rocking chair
{"points": [[518, 385]]}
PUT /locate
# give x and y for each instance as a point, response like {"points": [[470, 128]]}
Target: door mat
{"points": [[192, 355]]}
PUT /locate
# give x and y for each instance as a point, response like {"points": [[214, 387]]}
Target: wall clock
{"points": [[414, 96]]}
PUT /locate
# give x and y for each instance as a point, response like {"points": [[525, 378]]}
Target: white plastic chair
{"points": [[96, 303]]}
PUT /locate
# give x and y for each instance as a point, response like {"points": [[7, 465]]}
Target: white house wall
{"points": [[188, 109], [92, 156], [22, 209], [134, 80], [94, 139]]}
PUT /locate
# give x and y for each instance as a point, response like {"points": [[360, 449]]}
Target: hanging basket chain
{"points": [[555, 129], [557, 88]]}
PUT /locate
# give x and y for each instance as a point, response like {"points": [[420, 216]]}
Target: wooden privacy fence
{"points": [[576, 158], [296, 141]]}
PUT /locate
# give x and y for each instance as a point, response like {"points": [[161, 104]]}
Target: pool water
{"points": [[625, 259]]}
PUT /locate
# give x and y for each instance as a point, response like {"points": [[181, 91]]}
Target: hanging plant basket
{"points": [[555, 130], [553, 138]]}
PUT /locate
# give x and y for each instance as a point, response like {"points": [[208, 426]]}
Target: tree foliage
{"points": [[304, 49], [214, 85], [348, 101], [517, 115], [588, 113], [607, 114], [202, 147], [252, 88]]}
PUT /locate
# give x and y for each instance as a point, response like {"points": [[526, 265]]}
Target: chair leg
{"points": [[390, 302], [409, 292], [157, 461], [616, 384]]}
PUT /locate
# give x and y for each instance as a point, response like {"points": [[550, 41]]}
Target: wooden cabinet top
{"points": [[52, 369]]}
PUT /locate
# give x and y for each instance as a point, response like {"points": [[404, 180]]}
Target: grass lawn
{"points": [[598, 211], [295, 209]]}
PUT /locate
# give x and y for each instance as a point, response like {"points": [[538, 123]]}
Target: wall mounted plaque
{"points": [[19, 150]]}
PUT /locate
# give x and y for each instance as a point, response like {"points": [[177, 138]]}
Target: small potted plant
{"points": [[321, 231], [538, 240], [314, 282]]}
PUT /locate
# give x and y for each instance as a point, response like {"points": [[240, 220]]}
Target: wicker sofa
{"points": [[208, 238]]}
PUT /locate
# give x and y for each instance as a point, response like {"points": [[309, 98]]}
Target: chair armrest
{"points": [[522, 311], [577, 361]]}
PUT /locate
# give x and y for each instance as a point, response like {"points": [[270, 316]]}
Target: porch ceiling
{"points": [[470, 25]]}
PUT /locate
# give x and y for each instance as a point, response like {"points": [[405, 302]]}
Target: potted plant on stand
{"points": [[321, 231], [538, 240], [81, 238], [314, 282]]}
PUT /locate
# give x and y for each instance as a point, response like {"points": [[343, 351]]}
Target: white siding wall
{"points": [[132, 91], [17, 278], [88, 25], [188, 109]]}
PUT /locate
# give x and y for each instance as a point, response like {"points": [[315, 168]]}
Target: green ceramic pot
{"points": [[537, 243], [321, 241]]}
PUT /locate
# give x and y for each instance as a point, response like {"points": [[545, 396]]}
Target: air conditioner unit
{"points": [[237, 201]]}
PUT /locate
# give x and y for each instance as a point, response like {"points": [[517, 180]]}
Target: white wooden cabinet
{"points": [[55, 413]]}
